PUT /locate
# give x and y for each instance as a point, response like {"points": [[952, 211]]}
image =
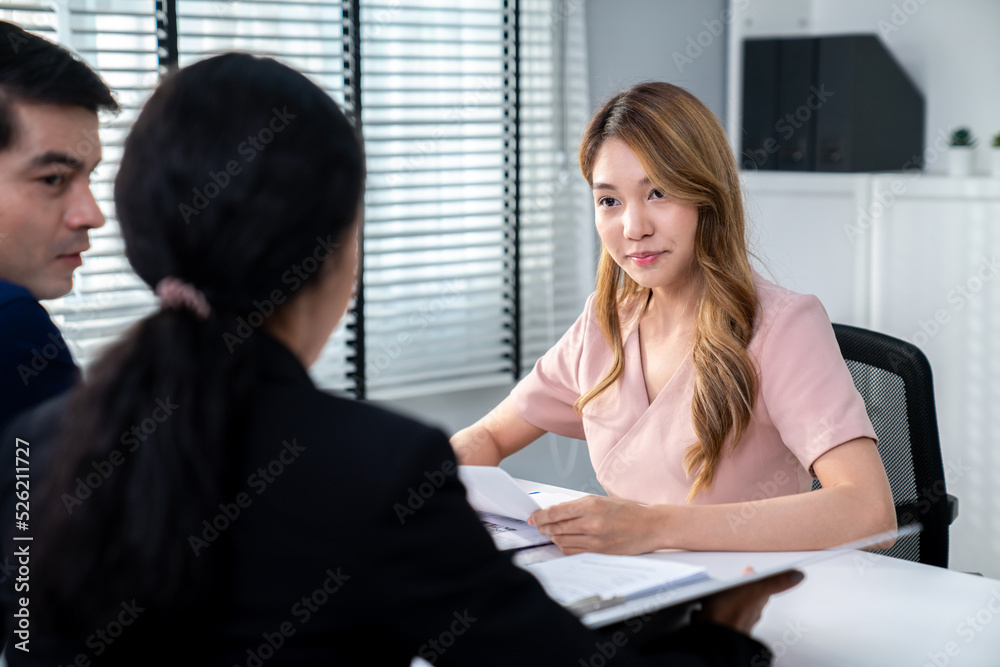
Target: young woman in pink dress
{"points": [[709, 397]]}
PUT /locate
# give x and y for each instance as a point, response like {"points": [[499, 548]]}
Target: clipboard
{"points": [[599, 612]]}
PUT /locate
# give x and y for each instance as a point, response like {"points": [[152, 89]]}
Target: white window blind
{"points": [[558, 248], [311, 37], [440, 111], [438, 249], [448, 143]]}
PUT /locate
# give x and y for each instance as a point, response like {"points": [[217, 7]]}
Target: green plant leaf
{"points": [[962, 136]]}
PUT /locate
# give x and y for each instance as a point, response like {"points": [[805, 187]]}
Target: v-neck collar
{"points": [[639, 376]]}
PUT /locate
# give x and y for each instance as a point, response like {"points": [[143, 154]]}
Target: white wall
{"points": [[678, 41]]}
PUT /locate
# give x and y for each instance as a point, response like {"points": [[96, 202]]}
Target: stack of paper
{"points": [[505, 507]]}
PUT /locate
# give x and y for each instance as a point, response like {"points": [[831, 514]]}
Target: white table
{"points": [[860, 609]]}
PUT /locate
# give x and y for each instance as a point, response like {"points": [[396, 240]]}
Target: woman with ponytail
{"points": [[198, 501], [709, 397]]}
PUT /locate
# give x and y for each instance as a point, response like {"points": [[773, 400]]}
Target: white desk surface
{"points": [[860, 609]]}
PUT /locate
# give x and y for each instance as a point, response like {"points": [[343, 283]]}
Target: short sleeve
{"points": [[805, 384], [545, 396]]}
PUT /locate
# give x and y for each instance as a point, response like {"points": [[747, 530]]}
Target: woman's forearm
{"points": [[476, 446], [502, 432], [815, 520]]}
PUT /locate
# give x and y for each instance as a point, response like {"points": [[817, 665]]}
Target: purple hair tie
{"points": [[175, 293]]}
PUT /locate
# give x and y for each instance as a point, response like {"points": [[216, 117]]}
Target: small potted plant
{"points": [[961, 152], [995, 152]]}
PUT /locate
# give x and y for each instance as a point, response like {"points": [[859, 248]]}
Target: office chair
{"points": [[894, 379]]}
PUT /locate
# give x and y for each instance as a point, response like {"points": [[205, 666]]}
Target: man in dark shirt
{"points": [[49, 146]]}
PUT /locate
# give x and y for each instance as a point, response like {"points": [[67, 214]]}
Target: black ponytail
{"points": [[142, 462], [201, 196]]}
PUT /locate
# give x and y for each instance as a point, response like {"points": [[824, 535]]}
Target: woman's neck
{"points": [[672, 309]]}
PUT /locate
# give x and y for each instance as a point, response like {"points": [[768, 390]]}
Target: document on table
{"points": [[510, 533], [608, 579], [504, 506]]}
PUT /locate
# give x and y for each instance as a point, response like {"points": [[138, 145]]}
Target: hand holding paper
{"points": [[492, 490], [598, 524], [504, 506]]}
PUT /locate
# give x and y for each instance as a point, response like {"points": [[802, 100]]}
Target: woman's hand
{"points": [[601, 525]]}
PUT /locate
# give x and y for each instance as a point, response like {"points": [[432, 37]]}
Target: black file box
{"points": [[834, 104]]}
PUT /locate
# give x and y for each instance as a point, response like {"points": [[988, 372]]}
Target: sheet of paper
{"points": [[581, 576], [491, 489], [546, 499], [510, 533]]}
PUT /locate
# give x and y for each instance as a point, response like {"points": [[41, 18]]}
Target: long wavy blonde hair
{"points": [[684, 152]]}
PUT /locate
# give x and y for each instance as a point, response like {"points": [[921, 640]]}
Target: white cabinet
{"points": [[917, 257], [936, 283], [802, 231]]}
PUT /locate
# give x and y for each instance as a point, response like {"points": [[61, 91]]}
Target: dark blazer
{"points": [[35, 363], [350, 542]]}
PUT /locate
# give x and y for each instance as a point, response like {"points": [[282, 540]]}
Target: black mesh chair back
{"points": [[894, 378]]}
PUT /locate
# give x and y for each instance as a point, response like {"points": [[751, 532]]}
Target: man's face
{"points": [[46, 206]]}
